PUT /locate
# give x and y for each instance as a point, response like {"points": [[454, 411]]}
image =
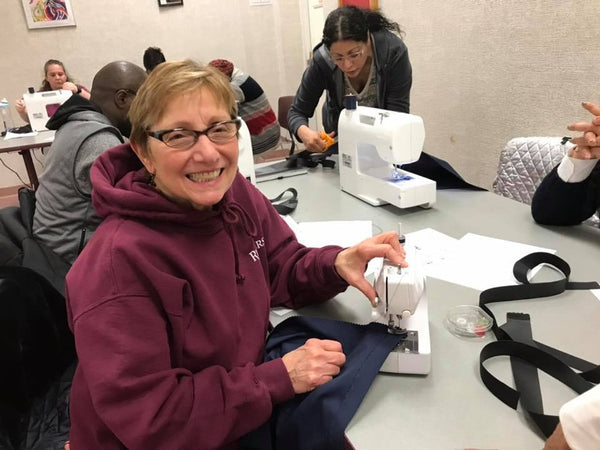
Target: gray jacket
{"points": [[394, 80], [64, 218]]}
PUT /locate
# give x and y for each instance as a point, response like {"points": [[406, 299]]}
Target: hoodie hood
{"points": [[75, 104], [121, 189]]}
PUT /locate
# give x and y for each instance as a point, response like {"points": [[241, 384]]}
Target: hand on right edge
{"points": [[313, 364], [587, 146], [557, 440]]}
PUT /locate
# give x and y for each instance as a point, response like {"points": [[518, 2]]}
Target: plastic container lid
{"points": [[468, 321]]}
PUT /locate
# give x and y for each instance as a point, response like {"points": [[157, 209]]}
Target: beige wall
{"points": [[484, 70], [264, 41], [489, 70]]}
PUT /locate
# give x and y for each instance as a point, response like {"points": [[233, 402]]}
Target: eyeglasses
{"points": [[182, 139], [352, 56]]}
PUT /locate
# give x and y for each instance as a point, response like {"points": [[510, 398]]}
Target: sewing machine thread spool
{"points": [[350, 101]]}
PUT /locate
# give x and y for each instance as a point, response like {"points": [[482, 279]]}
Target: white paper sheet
{"points": [[281, 310], [481, 262], [336, 232], [10, 135], [342, 233], [431, 245], [291, 223]]}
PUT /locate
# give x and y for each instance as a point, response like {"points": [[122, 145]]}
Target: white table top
{"points": [[451, 408], [41, 139]]}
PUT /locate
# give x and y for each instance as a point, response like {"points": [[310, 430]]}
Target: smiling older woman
{"points": [[169, 302]]}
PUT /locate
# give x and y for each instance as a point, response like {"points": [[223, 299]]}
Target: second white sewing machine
{"points": [[42, 105], [372, 144]]}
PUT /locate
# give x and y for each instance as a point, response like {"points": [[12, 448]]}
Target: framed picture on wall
{"points": [[48, 13], [170, 2], [365, 4]]}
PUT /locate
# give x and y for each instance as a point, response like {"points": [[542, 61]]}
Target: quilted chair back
{"points": [[524, 162]]}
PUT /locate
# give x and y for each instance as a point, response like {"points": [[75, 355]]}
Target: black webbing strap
{"points": [[527, 382], [287, 205], [540, 359], [311, 160], [526, 289], [515, 339]]}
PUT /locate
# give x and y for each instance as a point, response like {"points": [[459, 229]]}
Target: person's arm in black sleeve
{"points": [[307, 97], [557, 202]]}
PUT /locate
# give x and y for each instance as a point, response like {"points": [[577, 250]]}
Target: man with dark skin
{"points": [[64, 219]]}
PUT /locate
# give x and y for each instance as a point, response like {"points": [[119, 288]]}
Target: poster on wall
{"points": [[365, 4], [48, 13]]}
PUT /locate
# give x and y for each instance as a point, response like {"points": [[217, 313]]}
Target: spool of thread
{"points": [[350, 102]]}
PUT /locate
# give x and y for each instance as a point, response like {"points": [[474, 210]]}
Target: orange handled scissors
{"points": [[329, 141]]}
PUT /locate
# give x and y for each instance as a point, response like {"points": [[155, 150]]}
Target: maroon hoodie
{"points": [[170, 309]]}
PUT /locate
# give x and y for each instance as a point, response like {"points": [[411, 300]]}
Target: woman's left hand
{"points": [[351, 262]]}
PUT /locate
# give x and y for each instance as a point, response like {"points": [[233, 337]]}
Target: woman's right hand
{"points": [[311, 139], [313, 364], [587, 146]]}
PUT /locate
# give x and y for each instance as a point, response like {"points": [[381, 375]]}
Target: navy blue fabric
{"points": [[317, 420], [440, 171]]}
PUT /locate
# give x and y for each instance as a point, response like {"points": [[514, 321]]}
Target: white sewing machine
{"points": [[42, 105], [372, 144], [245, 157], [402, 306]]}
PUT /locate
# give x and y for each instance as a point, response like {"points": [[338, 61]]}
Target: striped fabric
{"points": [[256, 111]]}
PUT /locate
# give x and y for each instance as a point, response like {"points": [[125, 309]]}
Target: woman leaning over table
{"points": [[55, 77], [169, 302], [362, 54]]}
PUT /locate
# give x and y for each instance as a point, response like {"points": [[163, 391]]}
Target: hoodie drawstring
{"points": [[232, 213]]}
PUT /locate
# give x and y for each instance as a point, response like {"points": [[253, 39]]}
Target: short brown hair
{"points": [[164, 83]]}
